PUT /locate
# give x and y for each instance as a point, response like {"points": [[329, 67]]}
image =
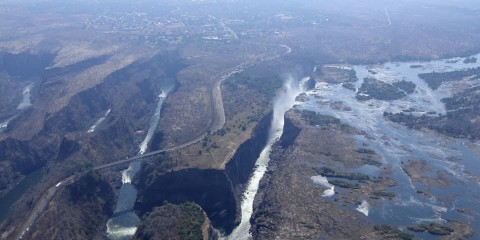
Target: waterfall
{"points": [[282, 103]]}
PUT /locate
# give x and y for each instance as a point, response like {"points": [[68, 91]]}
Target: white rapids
{"points": [[284, 101], [323, 181], [154, 121], [99, 121], [364, 207]]}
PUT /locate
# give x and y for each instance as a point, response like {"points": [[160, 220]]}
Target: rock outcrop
{"points": [[289, 205], [217, 192], [175, 222], [243, 161], [78, 211], [209, 188]]}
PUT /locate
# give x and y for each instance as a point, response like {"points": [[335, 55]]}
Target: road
{"points": [[218, 123], [387, 15]]}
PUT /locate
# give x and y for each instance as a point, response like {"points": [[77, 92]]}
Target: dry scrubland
{"points": [[95, 56]]}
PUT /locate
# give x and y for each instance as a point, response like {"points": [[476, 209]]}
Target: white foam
{"points": [[126, 175], [321, 180], [329, 192], [437, 209], [437, 218], [26, 98], [415, 202], [99, 121], [117, 232], [397, 144], [163, 95], [364, 207], [4, 124], [284, 101], [154, 121]]}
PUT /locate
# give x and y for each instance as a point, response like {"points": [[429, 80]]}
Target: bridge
{"points": [[217, 124]]}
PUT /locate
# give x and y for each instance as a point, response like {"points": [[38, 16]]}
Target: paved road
{"points": [[218, 123]]}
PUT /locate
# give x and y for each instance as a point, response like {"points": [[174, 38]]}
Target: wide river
{"points": [[282, 103], [123, 224], [457, 159], [393, 142]]}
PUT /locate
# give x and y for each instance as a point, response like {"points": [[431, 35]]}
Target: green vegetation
{"points": [[463, 109], [79, 164], [152, 169], [467, 101], [328, 172], [313, 118], [308, 225], [405, 236], [349, 86], [470, 60], [458, 124], [433, 228], [337, 75], [373, 88], [266, 86], [77, 211], [370, 161], [383, 193], [344, 184], [408, 87], [192, 222], [386, 229], [434, 79], [389, 231], [182, 222], [365, 150], [82, 189], [368, 157]]}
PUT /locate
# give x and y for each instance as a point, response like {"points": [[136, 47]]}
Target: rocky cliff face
{"points": [[131, 94], [25, 64], [19, 158], [78, 211], [243, 161], [217, 192], [208, 188], [12, 149], [290, 205], [290, 133], [175, 222]]}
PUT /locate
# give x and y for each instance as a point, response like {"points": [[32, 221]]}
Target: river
{"points": [[123, 224], [99, 121], [396, 144], [282, 103], [25, 103], [29, 180], [13, 195]]}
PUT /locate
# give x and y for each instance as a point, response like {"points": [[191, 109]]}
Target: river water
{"points": [[29, 180], [25, 103], [26, 97], [13, 195], [457, 158], [99, 121], [283, 102], [123, 224]]}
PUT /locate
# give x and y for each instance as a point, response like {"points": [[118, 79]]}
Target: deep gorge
{"points": [[218, 192]]}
